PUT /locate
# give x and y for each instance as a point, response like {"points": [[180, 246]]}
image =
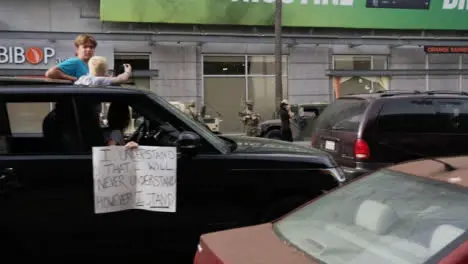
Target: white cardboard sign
{"points": [[142, 178]]}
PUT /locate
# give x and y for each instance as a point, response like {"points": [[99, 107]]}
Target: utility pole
{"points": [[278, 51]]}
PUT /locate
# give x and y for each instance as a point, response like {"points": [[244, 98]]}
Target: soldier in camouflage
{"points": [[250, 119]]}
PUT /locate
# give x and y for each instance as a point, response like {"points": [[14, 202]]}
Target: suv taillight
{"points": [[361, 149]]}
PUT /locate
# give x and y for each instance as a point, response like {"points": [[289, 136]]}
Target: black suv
{"points": [[366, 132], [46, 180]]}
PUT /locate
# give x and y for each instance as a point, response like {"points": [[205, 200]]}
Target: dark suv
{"points": [[366, 132], [46, 175]]}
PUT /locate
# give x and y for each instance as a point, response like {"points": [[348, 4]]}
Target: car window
{"points": [[395, 115], [134, 118], [368, 222], [452, 115], [29, 126], [26, 117], [122, 116], [343, 115], [197, 126]]}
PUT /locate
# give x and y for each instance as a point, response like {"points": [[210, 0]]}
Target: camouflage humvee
{"points": [[304, 116], [213, 123]]}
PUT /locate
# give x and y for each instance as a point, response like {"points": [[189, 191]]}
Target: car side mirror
{"points": [[188, 143]]}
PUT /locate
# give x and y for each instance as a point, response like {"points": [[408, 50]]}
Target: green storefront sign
{"points": [[376, 14]]}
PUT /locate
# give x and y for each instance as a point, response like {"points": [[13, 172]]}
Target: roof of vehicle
{"points": [[21, 85], [428, 168], [61, 89], [402, 94]]}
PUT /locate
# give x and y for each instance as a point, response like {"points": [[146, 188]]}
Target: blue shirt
{"points": [[74, 67]]}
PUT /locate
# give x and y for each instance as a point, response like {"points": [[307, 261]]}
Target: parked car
{"points": [[46, 175], [411, 213], [366, 132], [304, 114]]}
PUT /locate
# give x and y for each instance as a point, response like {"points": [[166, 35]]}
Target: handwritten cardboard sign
{"points": [[143, 178]]}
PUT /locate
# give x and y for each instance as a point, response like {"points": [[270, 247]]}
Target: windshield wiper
{"points": [[447, 166]]}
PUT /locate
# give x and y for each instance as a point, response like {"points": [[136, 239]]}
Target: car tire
{"points": [[273, 134]]}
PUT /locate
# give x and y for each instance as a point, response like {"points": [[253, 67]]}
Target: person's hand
{"points": [[127, 68], [131, 145]]}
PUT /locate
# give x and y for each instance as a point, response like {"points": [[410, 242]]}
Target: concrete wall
{"points": [[179, 66], [179, 72], [307, 81], [50, 15], [411, 58], [444, 61], [414, 58]]}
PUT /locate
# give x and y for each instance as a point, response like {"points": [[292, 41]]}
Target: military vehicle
{"points": [[213, 123], [304, 115]]}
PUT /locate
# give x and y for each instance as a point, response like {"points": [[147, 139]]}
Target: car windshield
{"points": [[386, 217], [201, 129]]}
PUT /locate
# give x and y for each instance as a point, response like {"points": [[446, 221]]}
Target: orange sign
{"points": [[445, 49], [21, 55], [34, 55]]}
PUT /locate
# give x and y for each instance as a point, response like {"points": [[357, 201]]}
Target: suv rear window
{"points": [[424, 115], [342, 115]]}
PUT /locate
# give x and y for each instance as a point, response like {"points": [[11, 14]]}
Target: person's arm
{"points": [[290, 113], [65, 70], [116, 136], [121, 78], [56, 73], [131, 145]]}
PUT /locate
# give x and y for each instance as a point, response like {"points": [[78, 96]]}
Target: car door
{"points": [[400, 140], [46, 197], [208, 190], [156, 233]]}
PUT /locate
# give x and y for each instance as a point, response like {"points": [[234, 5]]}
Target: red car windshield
{"points": [[387, 217]]}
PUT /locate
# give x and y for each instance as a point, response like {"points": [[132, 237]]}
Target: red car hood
{"points": [[256, 245]]}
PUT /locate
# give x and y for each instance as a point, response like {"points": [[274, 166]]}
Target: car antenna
{"points": [[447, 166]]}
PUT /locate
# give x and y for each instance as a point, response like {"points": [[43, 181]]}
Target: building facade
{"points": [[223, 65]]}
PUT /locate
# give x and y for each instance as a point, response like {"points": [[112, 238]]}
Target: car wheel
{"points": [[274, 134]]}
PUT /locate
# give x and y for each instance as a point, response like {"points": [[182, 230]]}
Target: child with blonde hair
{"points": [[98, 73]]}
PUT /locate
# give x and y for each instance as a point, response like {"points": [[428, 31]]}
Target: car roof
{"points": [[429, 168], [395, 94], [31, 85], [63, 89]]}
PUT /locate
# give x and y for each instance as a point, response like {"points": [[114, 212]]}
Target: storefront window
{"points": [[262, 92], [139, 62], [379, 62], [264, 65], [223, 98], [231, 80], [359, 63], [224, 65], [357, 84]]}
